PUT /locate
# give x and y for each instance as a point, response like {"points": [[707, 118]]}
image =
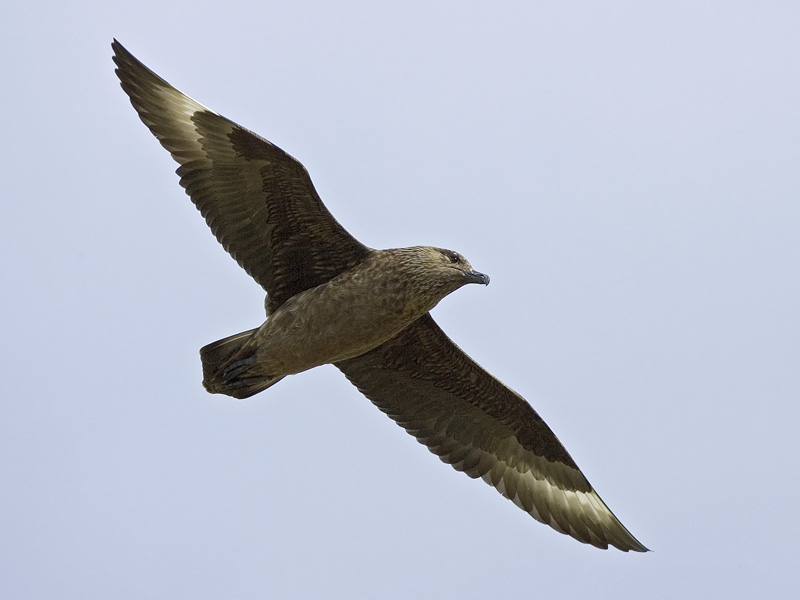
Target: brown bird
{"points": [[330, 299]]}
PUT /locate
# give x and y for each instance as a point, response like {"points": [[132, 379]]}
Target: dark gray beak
{"points": [[475, 277]]}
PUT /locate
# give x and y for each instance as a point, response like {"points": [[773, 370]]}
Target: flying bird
{"points": [[331, 299]]}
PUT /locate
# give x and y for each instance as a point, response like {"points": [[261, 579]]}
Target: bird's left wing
{"points": [[258, 201], [437, 393]]}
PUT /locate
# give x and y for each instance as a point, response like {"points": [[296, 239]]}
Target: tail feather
{"points": [[226, 372]]}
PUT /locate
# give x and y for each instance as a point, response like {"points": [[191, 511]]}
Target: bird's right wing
{"points": [[432, 389], [258, 201]]}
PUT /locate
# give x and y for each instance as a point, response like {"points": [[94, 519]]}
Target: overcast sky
{"points": [[628, 174]]}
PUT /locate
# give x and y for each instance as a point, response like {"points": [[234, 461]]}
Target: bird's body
{"points": [[345, 317], [331, 299]]}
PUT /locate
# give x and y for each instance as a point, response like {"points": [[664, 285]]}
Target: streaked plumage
{"points": [[262, 207]]}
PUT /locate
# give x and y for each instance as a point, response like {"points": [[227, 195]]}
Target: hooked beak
{"points": [[476, 277]]}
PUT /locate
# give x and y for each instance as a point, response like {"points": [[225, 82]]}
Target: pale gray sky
{"points": [[626, 173]]}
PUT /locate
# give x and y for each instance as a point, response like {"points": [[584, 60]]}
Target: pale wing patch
{"points": [[180, 102], [172, 121], [530, 482]]}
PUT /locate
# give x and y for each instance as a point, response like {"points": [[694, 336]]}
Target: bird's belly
{"points": [[317, 329]]}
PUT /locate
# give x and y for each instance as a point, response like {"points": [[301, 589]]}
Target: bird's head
{"points": [[429, 274], [454, 266]]}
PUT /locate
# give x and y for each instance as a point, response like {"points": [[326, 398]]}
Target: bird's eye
{"points": [[454, 258]]}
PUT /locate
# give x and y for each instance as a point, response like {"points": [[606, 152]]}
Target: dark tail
{"points": [[226, 372]]}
